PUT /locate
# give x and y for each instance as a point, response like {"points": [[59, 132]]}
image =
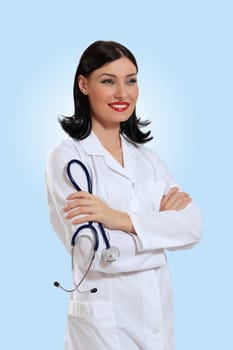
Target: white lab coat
{"points": [[133, 308]]}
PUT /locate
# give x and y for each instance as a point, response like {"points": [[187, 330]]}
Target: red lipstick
{"points": [[119, 106]]}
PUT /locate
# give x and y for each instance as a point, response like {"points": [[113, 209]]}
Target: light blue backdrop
{"points": [[184, 50]]}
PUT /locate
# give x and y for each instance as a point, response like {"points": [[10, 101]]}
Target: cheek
{"points": [[135, 94], [97, 97]]}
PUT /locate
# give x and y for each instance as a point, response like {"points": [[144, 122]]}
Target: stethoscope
{"points": [[109, 253]]}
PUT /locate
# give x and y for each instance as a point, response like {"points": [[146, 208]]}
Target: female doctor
{"points": [[134, 197]]}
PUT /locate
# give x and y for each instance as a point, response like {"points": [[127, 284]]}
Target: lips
{"points": [[119, 106]]}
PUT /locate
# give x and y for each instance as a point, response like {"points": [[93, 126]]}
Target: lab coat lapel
{"points": [[93, 146], [130, 157]]}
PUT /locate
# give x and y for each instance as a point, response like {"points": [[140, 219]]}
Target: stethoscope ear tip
{"points": [[93, 290]]}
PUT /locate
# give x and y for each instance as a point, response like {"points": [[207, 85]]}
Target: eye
{"points": [[107, 81], [132, 81]]}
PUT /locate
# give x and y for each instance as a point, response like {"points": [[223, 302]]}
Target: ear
{"points": [[82, 83]]}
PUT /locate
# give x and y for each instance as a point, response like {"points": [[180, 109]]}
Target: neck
{"points": [[109, 137]]}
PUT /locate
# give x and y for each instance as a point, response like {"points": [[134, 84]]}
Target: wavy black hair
{"points": [[79, 125]]}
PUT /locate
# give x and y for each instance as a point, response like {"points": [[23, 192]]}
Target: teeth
{"points": [[119, 106]]}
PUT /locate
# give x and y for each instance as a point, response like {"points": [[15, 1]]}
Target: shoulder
{"points": [[143, 151], [64, 150], [149, 158], [149, 152]]}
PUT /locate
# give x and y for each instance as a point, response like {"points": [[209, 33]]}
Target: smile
{"points": [[119, 107]]}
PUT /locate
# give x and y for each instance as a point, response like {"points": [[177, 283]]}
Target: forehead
{"points": [[120, 67]]}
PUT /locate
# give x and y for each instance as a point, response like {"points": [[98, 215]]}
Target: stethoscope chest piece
{"points": [[110, 254]]}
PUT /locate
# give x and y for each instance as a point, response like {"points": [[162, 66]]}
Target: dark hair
{"points": [[95, 56]]}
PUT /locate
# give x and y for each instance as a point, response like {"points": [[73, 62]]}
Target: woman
{"points": [[135, 198]]}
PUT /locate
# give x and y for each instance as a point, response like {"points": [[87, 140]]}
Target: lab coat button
{"points": [[83, 310], [155, 330]]}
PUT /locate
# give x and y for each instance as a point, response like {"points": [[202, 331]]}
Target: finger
{"points": [[162, 204], [180, 203], [82, 220], [167, 197], [172, 191], [76, 203], [171, 202], [79, 211], [183, 204], [80, 194]]}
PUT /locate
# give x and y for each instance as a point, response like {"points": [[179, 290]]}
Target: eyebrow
{"points": [[114, 76]]}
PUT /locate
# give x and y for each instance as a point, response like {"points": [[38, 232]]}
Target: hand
{"points": [[84, 203], [175, 200], [83, 207]]}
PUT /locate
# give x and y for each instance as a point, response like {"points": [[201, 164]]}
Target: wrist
{"points": [[122, 222]]}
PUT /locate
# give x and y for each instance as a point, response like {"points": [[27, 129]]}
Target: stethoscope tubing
{"points": [[109, 254], [90, 223]]}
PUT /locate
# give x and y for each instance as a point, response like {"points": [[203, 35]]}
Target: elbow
{"points": [[195, 227], [191, 235], [198, 224], [196, 233]]}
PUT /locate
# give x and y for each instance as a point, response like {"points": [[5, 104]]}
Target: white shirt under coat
{"points": [[133, 308]]}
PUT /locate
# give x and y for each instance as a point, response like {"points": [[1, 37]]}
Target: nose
{"points": [[121, 91]]}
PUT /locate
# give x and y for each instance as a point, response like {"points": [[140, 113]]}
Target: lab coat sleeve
{"points": [[169, 229], [59, 187]]}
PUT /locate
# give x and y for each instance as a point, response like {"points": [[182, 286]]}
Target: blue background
{"points": [[184, 51]]}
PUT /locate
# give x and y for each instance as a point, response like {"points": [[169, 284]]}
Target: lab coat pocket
{"points": [[96, 310], [95, 324]]}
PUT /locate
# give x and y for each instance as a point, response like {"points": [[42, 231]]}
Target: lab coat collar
{"points": [[92, 146]]}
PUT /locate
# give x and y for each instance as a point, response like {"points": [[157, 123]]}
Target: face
{"points": [[112, 91]]}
